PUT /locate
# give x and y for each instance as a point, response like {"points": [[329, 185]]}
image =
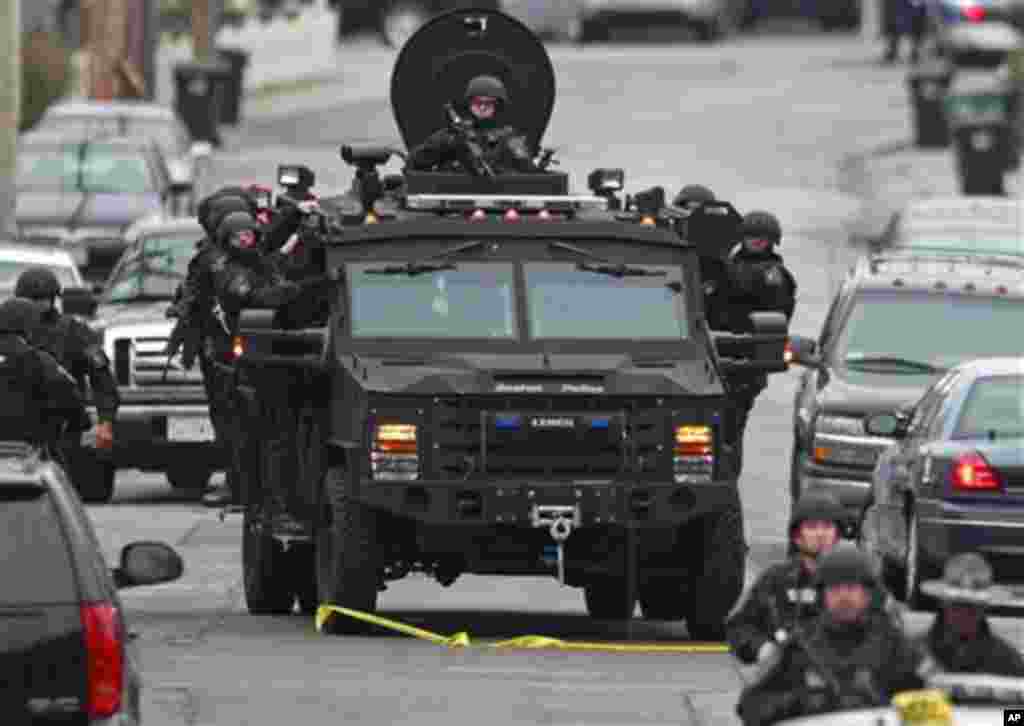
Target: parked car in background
{"points": [[83, 195], [396, 20], [829, 14], [163, 423], [16, 257], [186, 159], [954, 480], [896, 325], [709, 19], [67, 651], [976, 32]]}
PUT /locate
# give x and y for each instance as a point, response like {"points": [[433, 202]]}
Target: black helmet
{"points": [[817, 505], [486, 86], [763, 225], [19, 316], [845, 563], [37, 283], [222, 202], [693, 193], [231, 225]]}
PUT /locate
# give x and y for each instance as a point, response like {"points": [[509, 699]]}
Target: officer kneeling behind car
{"points": [[39, 400], [960, 639], [850, 656]]}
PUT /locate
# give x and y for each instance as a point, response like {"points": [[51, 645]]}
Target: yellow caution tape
{"points": [[525, 642]]}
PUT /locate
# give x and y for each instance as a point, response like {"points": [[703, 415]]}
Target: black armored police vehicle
{"points": [[511, 379]]}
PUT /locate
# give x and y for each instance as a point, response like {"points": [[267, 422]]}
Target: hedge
{"points": [[45, 74]]}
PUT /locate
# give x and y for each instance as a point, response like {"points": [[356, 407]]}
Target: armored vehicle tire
{"points": [[189, 477], [607, 599], [268, 588], [720, 555], [663, 600], [346, 569]]}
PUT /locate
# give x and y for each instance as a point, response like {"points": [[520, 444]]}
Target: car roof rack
{"points": [[503, 202], [930, 262]]}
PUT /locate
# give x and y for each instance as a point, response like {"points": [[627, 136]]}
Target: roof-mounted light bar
{"points": [[503, 203]]}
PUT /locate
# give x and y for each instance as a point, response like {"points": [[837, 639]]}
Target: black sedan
{"points": [[83, 195], [954, 480]]}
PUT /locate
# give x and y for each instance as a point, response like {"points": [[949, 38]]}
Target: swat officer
{"points": [[75, 347], [960, 638], [502, 147], [239, 277], [38, 398], [850, 656], [692, 196], [784, 593], [758, 282]]}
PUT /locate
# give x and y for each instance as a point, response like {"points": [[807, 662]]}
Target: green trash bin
{"points": [[978, 110], [928, 84]]}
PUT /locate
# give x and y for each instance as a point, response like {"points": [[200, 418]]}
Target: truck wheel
{"points": [[346, 568], [189, 477], [265, 573], [720, 555], [663, 600], [607, 599]]}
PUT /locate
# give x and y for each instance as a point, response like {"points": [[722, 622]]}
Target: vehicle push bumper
{"points": [[995, 530], [532, 504]]}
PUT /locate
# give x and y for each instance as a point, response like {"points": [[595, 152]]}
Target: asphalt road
{"points": [[767, 123]]}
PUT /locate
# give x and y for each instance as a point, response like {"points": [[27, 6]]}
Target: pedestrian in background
{"points": [[903, 18]]}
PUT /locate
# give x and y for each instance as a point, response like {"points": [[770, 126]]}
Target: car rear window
{"points": [[36, 564], [994, 405]]}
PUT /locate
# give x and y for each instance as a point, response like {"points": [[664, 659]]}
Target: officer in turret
{"points": [[483, 137]]}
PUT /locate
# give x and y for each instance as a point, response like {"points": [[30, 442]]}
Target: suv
{"points": [[897, 323], [67, 655], [511, 380]]}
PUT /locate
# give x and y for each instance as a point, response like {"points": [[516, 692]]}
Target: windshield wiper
{"points": [[419, 267], [893, 360], [411, 268], [607, 267]]}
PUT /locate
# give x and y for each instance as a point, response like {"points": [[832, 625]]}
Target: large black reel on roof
{"points": [[436, 64]]}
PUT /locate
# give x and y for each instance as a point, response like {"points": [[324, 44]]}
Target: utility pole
{"points": [[10, 110], [202, 40]]}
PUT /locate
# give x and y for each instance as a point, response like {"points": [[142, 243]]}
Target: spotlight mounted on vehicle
{"points": [[365, 157], [649, 202], [295, 176], [606, 183]]}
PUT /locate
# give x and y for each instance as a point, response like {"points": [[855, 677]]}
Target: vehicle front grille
{"points": [[142, 362], [609, 438]]}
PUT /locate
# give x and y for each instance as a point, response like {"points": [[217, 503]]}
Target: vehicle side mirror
{"points": [[200, 150], [148, 563], [79, 301], [804, 352], [886, 424]]}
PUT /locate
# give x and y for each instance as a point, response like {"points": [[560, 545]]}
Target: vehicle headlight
{"points": [[693, 454], [840, 425], [395, 452]]}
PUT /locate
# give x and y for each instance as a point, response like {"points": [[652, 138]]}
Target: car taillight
{"points": [[974, 13], [693, 453], [972, 473], [104, 650], [237, 347], [395, 455]]}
